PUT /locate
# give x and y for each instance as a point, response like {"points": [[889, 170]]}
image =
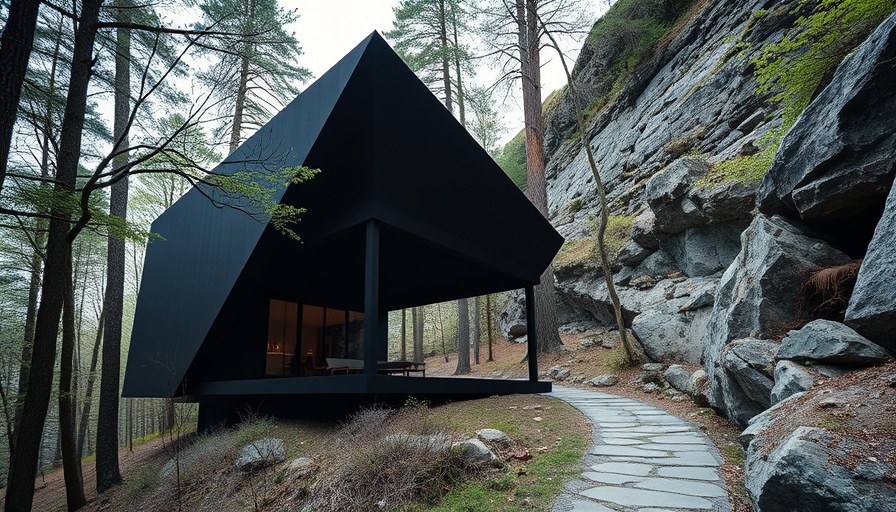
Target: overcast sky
{"points": [[328, 29]]}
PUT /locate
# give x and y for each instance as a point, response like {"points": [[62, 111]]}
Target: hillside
{"points": [[748, 149]]}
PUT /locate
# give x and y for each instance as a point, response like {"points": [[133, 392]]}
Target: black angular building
{"points": [[407, 210]]}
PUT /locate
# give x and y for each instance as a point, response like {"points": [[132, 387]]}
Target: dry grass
{"points": [[828, 290], [356, 462]]}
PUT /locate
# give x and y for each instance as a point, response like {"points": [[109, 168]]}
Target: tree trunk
{"points": [[442, 332], [446, 60], [169, 414], [108, 473], [630, 355], [463, 337], [15, 50], [417, 320], [477, 335], [547, 329], [91, 378], [488, 324], [457, 70], [30, 314], [71, 460], [23, 463], [236, 131], [36, 258], [404, 334]]}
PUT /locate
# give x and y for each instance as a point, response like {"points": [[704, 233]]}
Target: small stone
{"points": [[651, 387], [537, 419], [495, 438], [260, 453], [603, 381], [474, 450], [652, 372]]}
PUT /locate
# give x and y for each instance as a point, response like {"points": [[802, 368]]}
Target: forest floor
{"points": [[508, 363]]}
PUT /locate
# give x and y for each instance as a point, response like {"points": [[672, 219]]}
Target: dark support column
{"points": [[532, 337], [371, 298]]}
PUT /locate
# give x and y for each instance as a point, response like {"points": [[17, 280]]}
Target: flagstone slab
{"points": [[630, 497], [624, 468]]}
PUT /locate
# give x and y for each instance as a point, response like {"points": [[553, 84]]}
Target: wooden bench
{"points": [[403, 367], [339, 365]]}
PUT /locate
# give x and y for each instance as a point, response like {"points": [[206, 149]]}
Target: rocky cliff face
{"points": [[739, 235]]}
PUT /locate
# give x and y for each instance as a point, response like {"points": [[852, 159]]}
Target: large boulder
{"points": [[748, 365], [678, 203], [801, 474], [872, 307], [705, 250], [829, 448], [790, 379], [839, 158], [828, 342], [667, 195], [671, 337], [644, 229], [759, 292]]}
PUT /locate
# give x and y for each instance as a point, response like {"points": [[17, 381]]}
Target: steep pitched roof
{"points": [[453, 225]]}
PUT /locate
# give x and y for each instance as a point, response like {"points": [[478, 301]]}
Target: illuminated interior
{"points": [[318, 332]]}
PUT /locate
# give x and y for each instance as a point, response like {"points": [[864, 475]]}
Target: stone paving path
{"points": [[643, 460]]}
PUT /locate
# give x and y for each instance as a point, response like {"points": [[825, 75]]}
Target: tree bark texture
{"points": [[91, 379], [530, 67], [463, 337], [71, 459], [30, 315], [488, 326], [23, 463], [476, 331], [417, 321], [37, 259], [108, 473], [15, 50]]}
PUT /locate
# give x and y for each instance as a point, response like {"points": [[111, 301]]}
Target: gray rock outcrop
{"points": [[758, 294], [748, 366], [872, 307], [827, 342], [665, 337], [839, 158], [800, 475]]}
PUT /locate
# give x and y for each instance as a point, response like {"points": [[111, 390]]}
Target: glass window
{"points": [[282, 326], [300, 339]]}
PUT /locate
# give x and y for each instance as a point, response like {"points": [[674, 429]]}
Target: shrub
{"points": [[372, 468]]}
